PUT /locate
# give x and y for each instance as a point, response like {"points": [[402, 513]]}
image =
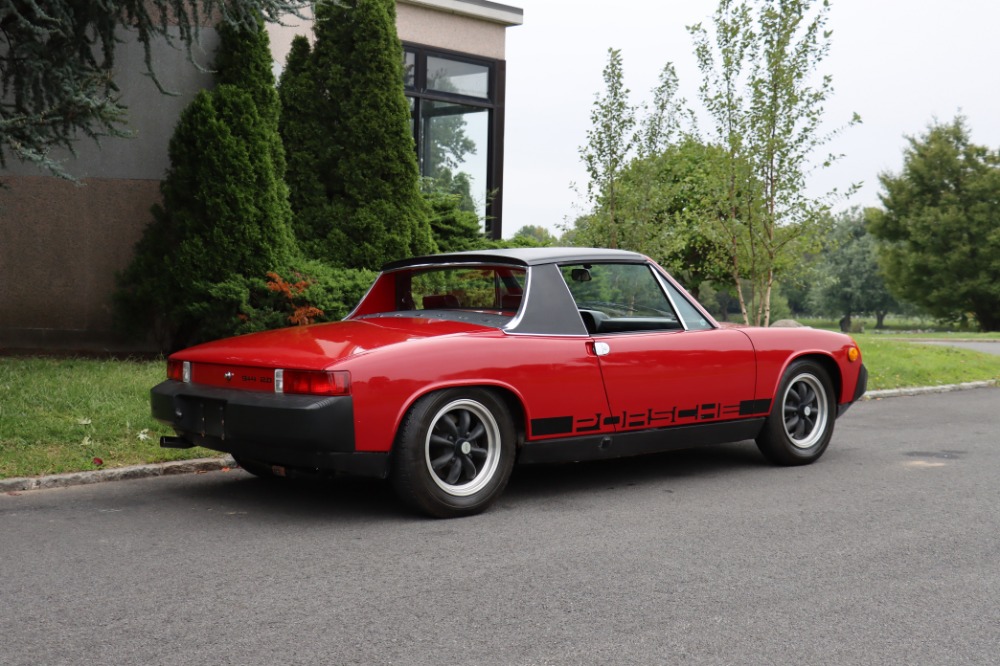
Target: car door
{"points": [[660, 369]]}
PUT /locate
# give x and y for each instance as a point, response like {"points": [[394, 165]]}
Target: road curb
{"points": [[921, 390], [116, 474], [216, 464]]}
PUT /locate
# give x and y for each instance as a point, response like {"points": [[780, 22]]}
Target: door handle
{"points": [[602, 348]]}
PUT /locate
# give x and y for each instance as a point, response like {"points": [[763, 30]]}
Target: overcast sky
{"points": [[898, 63]]}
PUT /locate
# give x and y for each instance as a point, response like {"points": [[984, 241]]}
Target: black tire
{"points": [[454, 453], [801, 422]]}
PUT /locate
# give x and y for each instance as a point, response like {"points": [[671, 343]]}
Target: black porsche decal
{"points": [[755, 407], [651, 418], [558, 425]]}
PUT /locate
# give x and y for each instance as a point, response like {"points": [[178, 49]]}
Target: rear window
{"points": [[493, 289]]}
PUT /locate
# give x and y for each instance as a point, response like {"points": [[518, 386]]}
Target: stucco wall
{"points": [[151, 114], [60, 247], [421, 25], [61, 243]]}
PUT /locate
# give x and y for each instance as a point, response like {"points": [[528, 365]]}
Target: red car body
{"points": [[562, 377]]}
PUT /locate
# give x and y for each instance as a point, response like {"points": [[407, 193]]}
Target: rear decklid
{"points": [[313, 347]]}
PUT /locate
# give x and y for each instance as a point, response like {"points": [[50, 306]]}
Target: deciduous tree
{"points": [[848, 278], [763, 91], [940, 226], [621, 132]]}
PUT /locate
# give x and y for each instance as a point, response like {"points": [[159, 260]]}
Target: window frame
{"points": [[493, 104]]}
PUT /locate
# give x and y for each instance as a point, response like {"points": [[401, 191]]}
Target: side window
{"points": [[619, 298], [694, 319]]}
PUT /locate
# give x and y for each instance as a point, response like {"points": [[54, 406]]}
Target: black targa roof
{"points": [[548, 307], [522, 256]]}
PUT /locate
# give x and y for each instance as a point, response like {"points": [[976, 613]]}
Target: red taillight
{"points": [[310, 382], [175, 370]]}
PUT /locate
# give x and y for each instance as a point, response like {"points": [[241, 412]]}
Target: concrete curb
{"points": [[921, 390], [216, 464], [116, 474]]}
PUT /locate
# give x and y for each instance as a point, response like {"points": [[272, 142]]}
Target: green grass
{"points": [[58, 415], [894, 363], [902, 326]]}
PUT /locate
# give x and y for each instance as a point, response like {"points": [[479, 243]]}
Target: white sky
{"points": [[898, 63]]}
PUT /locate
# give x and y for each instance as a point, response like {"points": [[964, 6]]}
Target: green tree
{"points": [[620, 132], [939, 226], [761, 88], [670, 206], [57, 61], [537, 233], [372, 209], [455, 228], [848, 279], [303, 134], [225, 214]]}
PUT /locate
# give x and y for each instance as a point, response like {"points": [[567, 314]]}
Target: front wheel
{"points": [[801, 422], [454, 453]]}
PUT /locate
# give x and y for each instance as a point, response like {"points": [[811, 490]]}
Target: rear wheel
{"points": [[801, 422], [454, 453]]}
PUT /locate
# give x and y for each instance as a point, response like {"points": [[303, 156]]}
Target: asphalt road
{"points": [[986, 347], [887, 551]]}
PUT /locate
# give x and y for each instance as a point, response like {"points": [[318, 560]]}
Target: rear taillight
{"points": [[309, 382], [179, 371]]}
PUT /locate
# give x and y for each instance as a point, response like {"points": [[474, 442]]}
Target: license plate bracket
{"points": [[205, 416]]}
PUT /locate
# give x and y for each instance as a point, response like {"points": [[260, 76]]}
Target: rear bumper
{"points": [[298, 431]]}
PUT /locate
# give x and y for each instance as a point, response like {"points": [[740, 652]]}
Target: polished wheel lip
{"points": [[488, 440], [805, 402]]}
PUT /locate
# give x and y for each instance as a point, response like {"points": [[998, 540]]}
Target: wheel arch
{"points": [[511, 400], [824, 361]]}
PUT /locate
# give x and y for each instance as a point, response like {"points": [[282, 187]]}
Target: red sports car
{"points": [[454, 366]]}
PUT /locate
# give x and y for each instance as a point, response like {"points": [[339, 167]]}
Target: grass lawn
{"points": [[895, 363], [60, 414], [72, 414]]}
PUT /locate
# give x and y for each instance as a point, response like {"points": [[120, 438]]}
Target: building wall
{"points": [[423, 25], [61, 243], [60, 247]]}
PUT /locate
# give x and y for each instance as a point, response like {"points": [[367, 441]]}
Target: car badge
{"points": [[229, 376]]}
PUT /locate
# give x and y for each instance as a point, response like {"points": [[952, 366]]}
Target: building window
{"points": [[456, 112]]}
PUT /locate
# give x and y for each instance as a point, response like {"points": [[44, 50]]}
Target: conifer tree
{"points": [[373, 210], [225, 213], [306, 148]]}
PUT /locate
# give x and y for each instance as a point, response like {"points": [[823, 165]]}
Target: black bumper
{"points": [[296, 431], [859, 390]]}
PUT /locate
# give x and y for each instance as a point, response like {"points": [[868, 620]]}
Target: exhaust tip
{"points": [[175, 443]]}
